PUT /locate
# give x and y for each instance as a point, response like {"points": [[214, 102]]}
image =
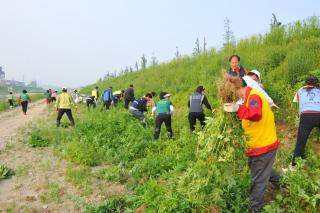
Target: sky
{"points": [[73, 43]]}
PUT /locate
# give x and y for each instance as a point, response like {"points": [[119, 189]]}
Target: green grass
{"points": [[193, 173]]}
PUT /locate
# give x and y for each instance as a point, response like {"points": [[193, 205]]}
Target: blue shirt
{"points": [[309, 100]]}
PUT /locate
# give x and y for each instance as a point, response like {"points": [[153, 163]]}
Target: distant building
{"points": [[15, 83], [33, 84], [2, 76]]}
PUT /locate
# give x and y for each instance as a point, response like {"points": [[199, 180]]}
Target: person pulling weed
{"points": [[195, 103], [138, 107], [63, 105], [164, 109], [262, 141], [128, 96], [308, 98], [108, 98], [90, 101]]}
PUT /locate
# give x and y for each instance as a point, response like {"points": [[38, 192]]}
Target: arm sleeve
{"points": [[171, 109], [253, 112], [154, 109], [206, 103], [58, 102]]}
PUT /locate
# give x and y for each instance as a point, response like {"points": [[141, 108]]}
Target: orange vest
{"points": [[261, 135]]}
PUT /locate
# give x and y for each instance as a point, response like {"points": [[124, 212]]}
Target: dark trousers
{"points": [[166, 118], [193, 116], [61, 113], [10, 102], [306, 124], [91, 103], [107, 104], [24, 105], [127, 102], [261, 174]]}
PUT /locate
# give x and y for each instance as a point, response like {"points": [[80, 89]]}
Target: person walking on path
{"points": [[164, 109], [262, 142], [128, 96], [308, 98], [24, 99], [10, 100], [108, 98], [195, 108], [63, 105], [138, 107]]}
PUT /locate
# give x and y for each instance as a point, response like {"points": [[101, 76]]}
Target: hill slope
{"points": [[207, 171]]}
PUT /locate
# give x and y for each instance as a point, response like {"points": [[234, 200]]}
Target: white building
{"points": [[2, 76]]}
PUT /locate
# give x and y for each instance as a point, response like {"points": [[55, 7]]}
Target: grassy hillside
{"points": [[206, 172]]}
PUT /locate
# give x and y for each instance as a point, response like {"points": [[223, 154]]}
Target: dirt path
{"points": [[12, 120], [40, 183]]}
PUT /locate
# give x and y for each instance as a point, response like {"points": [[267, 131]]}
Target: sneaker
{"points": [[290, 168]]}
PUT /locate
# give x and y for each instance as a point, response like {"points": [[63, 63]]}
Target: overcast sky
{"points": [[74, 42]]}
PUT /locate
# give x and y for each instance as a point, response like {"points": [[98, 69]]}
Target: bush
{"points": [[36, 139]]}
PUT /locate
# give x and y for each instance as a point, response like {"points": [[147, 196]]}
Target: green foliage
{"points": [[125, 204], [5, 172], [52, 194], [36, 140], [195, 173]]}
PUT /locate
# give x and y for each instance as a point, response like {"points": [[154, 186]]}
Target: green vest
{"points": [[10, 97], [24, 97], [163, 106]]}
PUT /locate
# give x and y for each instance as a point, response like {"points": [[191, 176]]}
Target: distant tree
{"points": [[228, 33], [204, 44], [126, 70], [177, 54], [136, 66], [130, 69], [274, 22], [154, 61], [197, 48], [143, 62]]}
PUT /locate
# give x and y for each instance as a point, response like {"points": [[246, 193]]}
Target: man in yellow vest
{"points": [[95, 93], [262, 142], [63, 105]]}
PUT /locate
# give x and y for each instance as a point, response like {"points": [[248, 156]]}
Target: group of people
{"points": [[243, 93], [51, 96], [163, 109], [23, 100]]}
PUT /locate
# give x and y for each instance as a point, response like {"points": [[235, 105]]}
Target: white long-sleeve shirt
{"points": [[255, 85]]}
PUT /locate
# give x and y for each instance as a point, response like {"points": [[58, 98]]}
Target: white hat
{"points": [[256, 72], [167, 95]]}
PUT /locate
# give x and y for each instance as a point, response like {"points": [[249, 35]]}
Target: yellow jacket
{"points": [[258, 123], [64, 101], [95, 93]]}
